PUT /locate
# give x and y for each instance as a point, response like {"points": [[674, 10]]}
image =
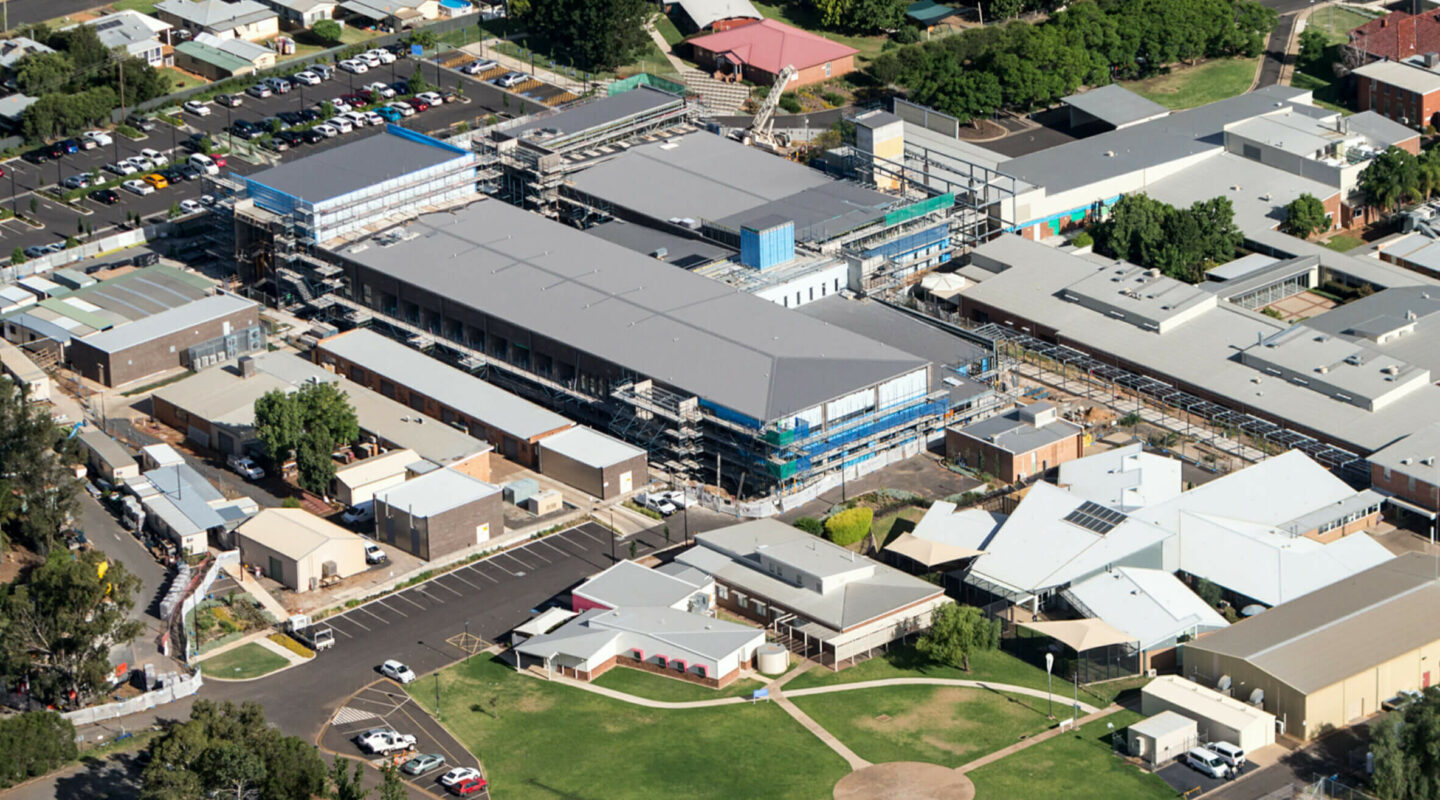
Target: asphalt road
{"points": [[26, 12], [1275, 55], [21, 178]]}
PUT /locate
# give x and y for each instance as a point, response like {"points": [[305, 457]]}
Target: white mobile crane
{"points": [[762, 128]]}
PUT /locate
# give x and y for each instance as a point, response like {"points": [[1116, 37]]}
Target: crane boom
{"points": [[763, 125]]}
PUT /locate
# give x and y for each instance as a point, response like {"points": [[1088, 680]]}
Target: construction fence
{"points": [[172, 687]]}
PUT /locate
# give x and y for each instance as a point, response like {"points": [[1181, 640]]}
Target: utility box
{"points": [[546, 502], [518, 492], [1163, 737]]}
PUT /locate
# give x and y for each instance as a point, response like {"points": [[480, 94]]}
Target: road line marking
{"points": [[492, 563], [517, 561], [373, 614], [432, 597], [530, 552], [456, 576], [553, 547], [580, 530], [341, 632], [392, 608], [347, 618], [437, 582], [483, 575], [411, 602]]}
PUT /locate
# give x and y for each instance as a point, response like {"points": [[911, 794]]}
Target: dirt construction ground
{"points": [[912, 780]]}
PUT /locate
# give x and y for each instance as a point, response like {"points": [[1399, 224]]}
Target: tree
{"points": [[424, 38], [17, 256], [308, 424], [1209, 592], [1305, 215], [595, 34], [1313, 46], [1181, 243], [229, 751], [82, 44], [279, 425], [391, 787], [57, 628], [327, 31], [1390, 178], [877, 16], [33, 744], [956, 632], [347, 785], [1005, 9], [417, 82], [849, 526], [46, 489], [42, 73], [1407, 758]]}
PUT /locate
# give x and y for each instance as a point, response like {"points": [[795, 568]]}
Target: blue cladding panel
{"points": [[911, 242], [767, 247]]}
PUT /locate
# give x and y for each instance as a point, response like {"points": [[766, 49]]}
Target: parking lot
{"points": [[1184, 778], [21, 178]]}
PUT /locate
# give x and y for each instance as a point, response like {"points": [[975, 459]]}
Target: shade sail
{"points": [[1080, 634]]}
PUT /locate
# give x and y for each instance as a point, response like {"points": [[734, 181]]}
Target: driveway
{"points": [[1183, 778]]}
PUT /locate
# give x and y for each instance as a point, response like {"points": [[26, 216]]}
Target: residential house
{"points": [[245, 19]]}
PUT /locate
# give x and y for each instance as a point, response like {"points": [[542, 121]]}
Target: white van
{"points": [[204, 163], [1206, 762], [1229, 753]]}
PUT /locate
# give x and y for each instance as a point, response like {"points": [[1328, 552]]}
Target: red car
{"points": [[472, 786], [219, 160], [419, 105]]}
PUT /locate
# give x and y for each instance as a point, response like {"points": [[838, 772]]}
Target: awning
{"points": [[1080, 634], [927, 552], [1409, 506], [946, 284]]}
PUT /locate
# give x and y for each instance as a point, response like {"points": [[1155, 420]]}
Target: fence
{"points": [[172, 688], [927, 117], [198, 591], [115, 241]]}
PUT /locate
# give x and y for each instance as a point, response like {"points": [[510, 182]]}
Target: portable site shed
{"points": [[1218, 718], [1160, 738]]}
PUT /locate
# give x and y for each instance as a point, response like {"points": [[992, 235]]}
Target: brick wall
{"points": [[1408, 488]]}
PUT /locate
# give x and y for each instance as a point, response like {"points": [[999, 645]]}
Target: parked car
{"points": [[354, 66], [405, 109], [312, 136], [381, 89], [80, 143], [457, 775], [372, 118], [418, 104], [660, 505], [188, 172], [1206, 762], [327, 130], [190, 207], [389, 113], [369, 59], [340, 124], [396, 671], [141, 163], [141, 122], [229, 100], [174, 175], [359, 513], [259, 90], [384, 741], [243, 465], [122, 168], [339, 105], [197, 108], [385, 56], [356, 118], [291, 117], [421, 764], [279, 85], [139, 187], [40, 155], [107, 197], [155, 156], [677, 498], [433, 98], [323, 71], [511, 79], [204, 164], [373, 554], [157, 180], [1232, 755], [307, 77], [77, 181], [466, 788], [479, 67], [292, 138], [37, 250], [100, 138]]}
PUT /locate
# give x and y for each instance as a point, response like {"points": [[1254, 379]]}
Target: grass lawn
{"points": [[616, 750], [1187, 87], [806, 18], [180, 80], [670, 690], [1327, 91], [1343, 242], [1337, 21], [246, 661], [937, 724], [889, 526], [1076, 766], [143, 6], [995, 665], [667, 29]]}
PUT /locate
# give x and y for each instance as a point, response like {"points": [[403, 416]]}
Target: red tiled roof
{"points": [[769, 45], [1398, 35]]}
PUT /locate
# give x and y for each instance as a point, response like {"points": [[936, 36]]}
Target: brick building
{"points": [[759, 51], [199, 334], [600, 465], [1397, 35], [1017, 444], [1408, 471], [1405, 93], [438, 513]]}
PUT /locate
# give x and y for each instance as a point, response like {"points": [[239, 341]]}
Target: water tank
{"points": [[772, 659]]}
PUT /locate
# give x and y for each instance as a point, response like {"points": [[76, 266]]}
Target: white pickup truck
{"points": [[315, 637], [245, 467], [384, 741]]}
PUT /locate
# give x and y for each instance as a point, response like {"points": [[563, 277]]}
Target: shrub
{"points": [[791, 103], [906, 34], [810, 525], [292, 645], [290, 502], [38, 741], [327, 31], [17, 256], [833, 98], [849, 526], [1083, 239]]}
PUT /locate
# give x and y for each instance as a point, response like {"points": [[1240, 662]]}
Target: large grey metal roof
{"points": [[681, 329], [1333, 633], [597, 113], [436, 492], [381, 355], [351, 167], [604, 632], [590, 447], [629, 584], [680, 251], [819, 213], [1115, 105], [875, 320], [168, 322]]}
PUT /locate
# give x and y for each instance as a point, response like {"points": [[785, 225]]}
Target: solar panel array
{"points": [[1095, 517]]}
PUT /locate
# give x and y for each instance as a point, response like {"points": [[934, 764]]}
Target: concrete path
{"points": [[241, 642], [249, 584], [1034, 740], [994, 687], [855, 762], [680, 66]]}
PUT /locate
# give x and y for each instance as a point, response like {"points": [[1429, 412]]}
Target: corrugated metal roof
{"points": [[436, 492], [357, 165], [590, 447], [1116, 105], [168, 322]]}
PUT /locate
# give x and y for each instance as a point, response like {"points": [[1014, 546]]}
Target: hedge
{"points": [[849, 526]]}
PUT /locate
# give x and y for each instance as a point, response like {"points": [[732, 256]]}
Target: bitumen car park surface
{"points": [[1189, 781], [21, 178]]}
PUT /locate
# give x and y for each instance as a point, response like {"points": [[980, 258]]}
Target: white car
{"points": [[1206, 762], [122, 168], [396, 671], [458, 775], [384, 741], [340, 106], [385, 56], [242, 465], [77, 182], [659, 505], [1231, 754], [100, 138], [140, 163], [478, 67], [369, 59], [191, 207], [381, 89], [197, 108], [259, 90], [139, 187], [356, 118], [677, 498], [207, 199], [433, 98], [405, 109], [327, 130], [354, 66], [155, 157], [364, 512], [371, 118], [340, 124], [373, 554], [308, 78]]}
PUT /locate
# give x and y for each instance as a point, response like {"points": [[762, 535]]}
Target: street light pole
{"points": [[1049, 686]]}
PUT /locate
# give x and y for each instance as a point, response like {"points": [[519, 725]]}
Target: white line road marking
{"points": [[477, 571], [456, 576], [392, 608], [586, 535], [553, 547], [347, 618], [517, 561], [437, 582], [432, 597], [408, 600], [376, 616], [341, 632], [496, 565], [530, 552]]}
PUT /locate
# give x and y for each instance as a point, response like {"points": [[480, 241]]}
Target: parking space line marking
{"points": [[517, 561], [496, 565], [373, 614], [483, 575], [437, 582], [553, 547], [580, 548], [341, 632], [432, 597], [392, 608], [402, 596], [581, 530], [347, 618], [530, 552], [456, 576]]}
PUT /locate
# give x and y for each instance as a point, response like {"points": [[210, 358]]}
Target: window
{"points": [[827, 69], [721, 592], [741, 600], [760, 608], [812, 292]]}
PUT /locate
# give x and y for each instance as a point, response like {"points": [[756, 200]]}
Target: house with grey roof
{"points": [[182, 506], [296, 14], [12, 51], [1018, 444], [245, 19], [630, 585], [828, 603], [139, 35]]}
